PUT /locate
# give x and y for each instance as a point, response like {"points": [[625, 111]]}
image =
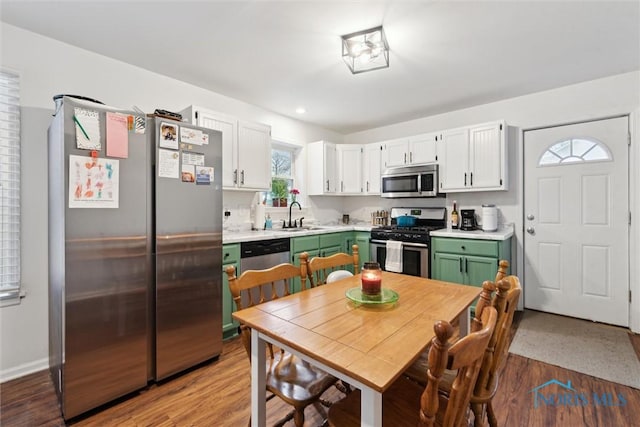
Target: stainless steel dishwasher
{"points": [[263, 254]]}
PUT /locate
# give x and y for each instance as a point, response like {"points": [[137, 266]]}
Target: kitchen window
{"points": [[9, 188], [282, 175]]}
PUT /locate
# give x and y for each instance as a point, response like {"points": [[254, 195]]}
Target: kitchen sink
{"points": [[293, 230]]}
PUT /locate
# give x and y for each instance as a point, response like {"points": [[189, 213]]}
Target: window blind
{"points": [[9, 188]]}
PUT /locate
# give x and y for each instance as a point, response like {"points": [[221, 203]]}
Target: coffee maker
{"points": [[468, 221]]}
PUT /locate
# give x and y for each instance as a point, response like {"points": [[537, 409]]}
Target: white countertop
{"points": [[503, 233], [278, 233]]}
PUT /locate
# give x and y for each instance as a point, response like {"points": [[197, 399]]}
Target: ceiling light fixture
{"points": [[301, 110], [365, 50]]}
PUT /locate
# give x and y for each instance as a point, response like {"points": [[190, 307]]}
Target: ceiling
{"points": [[284, 54]]}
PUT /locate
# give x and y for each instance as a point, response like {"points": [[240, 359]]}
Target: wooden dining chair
{"points": [[319, 268], [407, 403], [505, 303], [416, 370], [290, 378]]}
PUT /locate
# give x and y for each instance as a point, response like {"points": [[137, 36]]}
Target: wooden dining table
{"points": [[365, 345]]}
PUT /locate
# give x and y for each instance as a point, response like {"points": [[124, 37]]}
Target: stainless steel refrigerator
{"points": [[135, 242]]}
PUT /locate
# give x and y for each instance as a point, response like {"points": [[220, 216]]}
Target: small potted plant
{"points": [[279, 192]]}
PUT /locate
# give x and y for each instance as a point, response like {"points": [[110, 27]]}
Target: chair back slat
{"points": [[318, 268]]}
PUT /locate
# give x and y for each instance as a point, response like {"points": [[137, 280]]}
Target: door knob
{"points": [[530, 217], [531, 230]]}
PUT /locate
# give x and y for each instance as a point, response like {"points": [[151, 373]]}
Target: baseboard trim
{"points": [[24, 369]]}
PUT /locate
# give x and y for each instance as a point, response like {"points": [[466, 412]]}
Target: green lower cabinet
{"points": [[318, 245], [230, 256], [309, 244], [362, 240], [467, 261], [331, 244]]}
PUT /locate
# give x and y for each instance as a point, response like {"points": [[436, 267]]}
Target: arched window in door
{"points": [[575, 150]]}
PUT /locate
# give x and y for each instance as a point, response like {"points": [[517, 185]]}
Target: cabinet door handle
{"points": [[226, 255], [327, 185], [242, 177], [465, 265], [460, 265], [341, 186], [235, 176], [465, 179], [410, 156], [471, 183], [405, 158], [367, 186]]}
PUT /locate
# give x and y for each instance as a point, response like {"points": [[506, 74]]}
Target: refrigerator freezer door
{"points": [[188, 249], [99, 270]]}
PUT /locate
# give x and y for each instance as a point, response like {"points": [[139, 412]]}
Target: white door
{"points": [[576, 207]]}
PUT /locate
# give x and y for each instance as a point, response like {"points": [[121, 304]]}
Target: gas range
{"points": [[426, 220], [417, 234]]}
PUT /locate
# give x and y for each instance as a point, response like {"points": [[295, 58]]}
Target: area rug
{"points": [[595, 349]]}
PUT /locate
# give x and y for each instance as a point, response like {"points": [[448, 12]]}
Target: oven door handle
{"points": [[412, 245]]}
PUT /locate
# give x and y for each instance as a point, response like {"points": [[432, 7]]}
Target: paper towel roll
{"points": [[258, 220]]}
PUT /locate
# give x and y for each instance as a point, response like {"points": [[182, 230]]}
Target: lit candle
{"points": [[371, 279]]}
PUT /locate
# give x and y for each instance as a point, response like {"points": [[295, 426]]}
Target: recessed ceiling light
{"points": [[301, 110]]}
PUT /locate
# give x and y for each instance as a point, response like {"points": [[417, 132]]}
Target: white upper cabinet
{"points": [[349, 168], [414, 150], [229, 128], [473, 158], [254, 156], [423, 148], [488, 149], [371, 168], [396, 152], [246, 149], [454, 159], [322, 173]]}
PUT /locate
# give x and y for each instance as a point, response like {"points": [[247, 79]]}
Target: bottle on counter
{"points": [[268, 224], [454, 216]]}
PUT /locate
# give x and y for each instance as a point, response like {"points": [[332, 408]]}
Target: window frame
{"points": [[292, 178], [562, 161]]}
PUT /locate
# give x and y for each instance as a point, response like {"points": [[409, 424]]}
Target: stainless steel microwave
{"points": [[410, 181]]}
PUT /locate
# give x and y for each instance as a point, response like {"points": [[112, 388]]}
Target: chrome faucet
{"points": [[291, 206]]}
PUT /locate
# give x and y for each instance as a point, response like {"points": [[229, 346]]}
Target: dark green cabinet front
{"points": [[230, 256], [362, 240], [467, 261]]}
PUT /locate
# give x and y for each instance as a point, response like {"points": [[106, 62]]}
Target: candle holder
{"points": [[371, 278]]}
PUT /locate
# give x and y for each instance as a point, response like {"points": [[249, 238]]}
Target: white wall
{"points": [[605, 97], [48, 67]]}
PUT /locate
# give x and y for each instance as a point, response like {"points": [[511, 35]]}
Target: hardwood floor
{"points": [[218, 394]]}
